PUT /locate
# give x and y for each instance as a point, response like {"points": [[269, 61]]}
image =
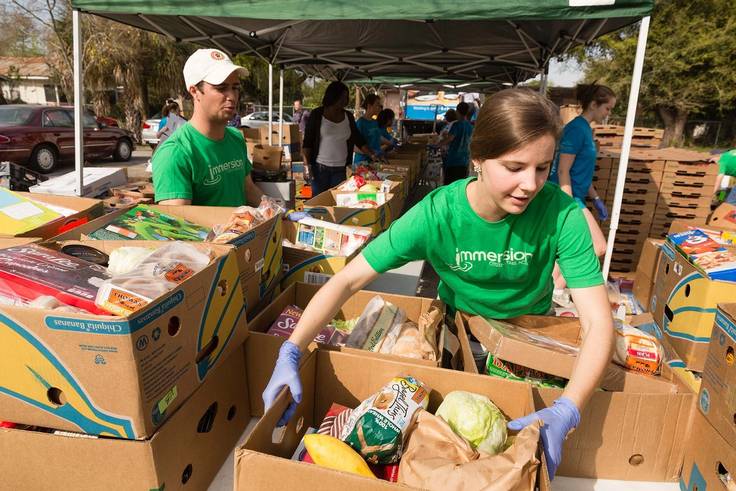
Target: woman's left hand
{"points": [[557, 421], [601, 208]]}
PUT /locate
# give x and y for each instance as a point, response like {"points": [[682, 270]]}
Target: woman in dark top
{"points": [[329, 138]]}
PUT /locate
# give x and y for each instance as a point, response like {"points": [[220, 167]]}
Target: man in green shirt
{"points": [[726, 167], [205, 162]]}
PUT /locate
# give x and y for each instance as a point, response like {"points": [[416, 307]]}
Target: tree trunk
{"points": [[674, 125]]}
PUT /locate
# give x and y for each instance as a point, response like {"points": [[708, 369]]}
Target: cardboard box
{"points": [[267, 158], [120, 376], [710, 462], [513, 346], [332, 377], [299, 294], [258, 251], [724, 217], [97, 181], [251, 135], [290, 134], [306, 266], [636, 433], [717, 399], [185, 453], [684, 305], [80, 211], [646, 270], [378, 219]]}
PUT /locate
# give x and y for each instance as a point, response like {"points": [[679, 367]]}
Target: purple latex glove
{"points": [[600, 207], [557, 421], [285, 374]]}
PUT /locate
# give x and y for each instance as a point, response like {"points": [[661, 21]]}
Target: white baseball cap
{"points": [[211, 65]]}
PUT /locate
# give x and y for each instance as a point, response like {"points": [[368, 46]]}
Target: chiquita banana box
{"points": [[260, 259], [120, 376], [685, 303]]}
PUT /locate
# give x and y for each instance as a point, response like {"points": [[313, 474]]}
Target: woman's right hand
{"points": [[285, 374]]}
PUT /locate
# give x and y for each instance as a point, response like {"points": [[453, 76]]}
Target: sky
{"points": [[564, 74]]}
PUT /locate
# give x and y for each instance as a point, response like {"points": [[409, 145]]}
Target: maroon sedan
{"points": [[43, 136]]}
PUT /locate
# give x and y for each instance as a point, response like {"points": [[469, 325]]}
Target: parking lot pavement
{"points": [[136, 165]]}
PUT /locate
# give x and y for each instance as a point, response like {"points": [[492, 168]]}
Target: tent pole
{"points": [[78, 102], [281, 106], [545, 76], [628, 134], [270, 104]]}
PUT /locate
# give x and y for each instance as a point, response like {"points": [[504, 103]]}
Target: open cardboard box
{"points": [[636, 433], [120, 376], [267, 158], [186, 452], [333, 377], [258, 251], [646, 270], [323, 207], [305, 266], [82, 210], [263, 348], [685, 300]]}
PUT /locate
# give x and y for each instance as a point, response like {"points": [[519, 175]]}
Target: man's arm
{"points": [[175, 202]]}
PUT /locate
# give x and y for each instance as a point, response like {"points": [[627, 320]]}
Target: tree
{"points": [[689, 62], [19, 34]]}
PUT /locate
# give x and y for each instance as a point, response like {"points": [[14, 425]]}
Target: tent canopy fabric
{"points": [[486, 40]]}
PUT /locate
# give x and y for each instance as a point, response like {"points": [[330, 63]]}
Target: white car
{"points": [[150, 129], [260, 118]]}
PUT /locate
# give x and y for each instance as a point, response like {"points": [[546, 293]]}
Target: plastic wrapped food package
{"points": [[243, 219], [637, 350], [377, 320], [157, 274]]}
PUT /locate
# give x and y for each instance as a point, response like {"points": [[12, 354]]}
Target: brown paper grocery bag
{"points": [[438, 459]]}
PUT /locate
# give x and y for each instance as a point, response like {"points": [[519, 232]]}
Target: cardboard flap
{"points": [[550, 349]]}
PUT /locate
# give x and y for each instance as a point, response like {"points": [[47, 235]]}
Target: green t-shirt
{"points": [[501, 269], [727, 163], [188, 165]]}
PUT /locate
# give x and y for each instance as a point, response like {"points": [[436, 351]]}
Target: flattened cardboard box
{"points": [[332, 377], [636, 435], [301, 265], [378, 219], [120, 376], [684, 304], [258, 251], [262, 349], [85, 210], [710, 462], [717, 400], [185, 453]]}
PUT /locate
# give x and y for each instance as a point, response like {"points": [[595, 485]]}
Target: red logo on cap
{"points": [[217, 55]]}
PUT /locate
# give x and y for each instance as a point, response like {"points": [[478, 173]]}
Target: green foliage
{"points": [[690, 59]]}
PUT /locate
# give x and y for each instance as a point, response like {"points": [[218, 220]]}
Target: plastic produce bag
{"points": [[377, 320], [124, 260]]}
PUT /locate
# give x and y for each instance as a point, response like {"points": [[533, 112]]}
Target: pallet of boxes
{"points": [[661, 186]]}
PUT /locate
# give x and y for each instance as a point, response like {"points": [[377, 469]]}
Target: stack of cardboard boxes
{"points": [[611, 137], [662, 185]]}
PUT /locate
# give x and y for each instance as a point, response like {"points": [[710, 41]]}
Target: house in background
{"points": [[28, 80]]}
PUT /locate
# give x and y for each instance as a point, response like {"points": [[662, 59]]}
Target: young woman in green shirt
{"points": [[493, 241]]}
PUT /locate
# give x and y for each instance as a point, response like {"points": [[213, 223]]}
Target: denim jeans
{"points": [[325, 177]]}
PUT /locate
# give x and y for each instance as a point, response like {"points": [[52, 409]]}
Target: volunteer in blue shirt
{"points": [[385, 121], [368, 127], [574, 165], [456, 161]]}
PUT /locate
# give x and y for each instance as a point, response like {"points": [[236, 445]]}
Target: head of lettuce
{"points": [[475, 418]]}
